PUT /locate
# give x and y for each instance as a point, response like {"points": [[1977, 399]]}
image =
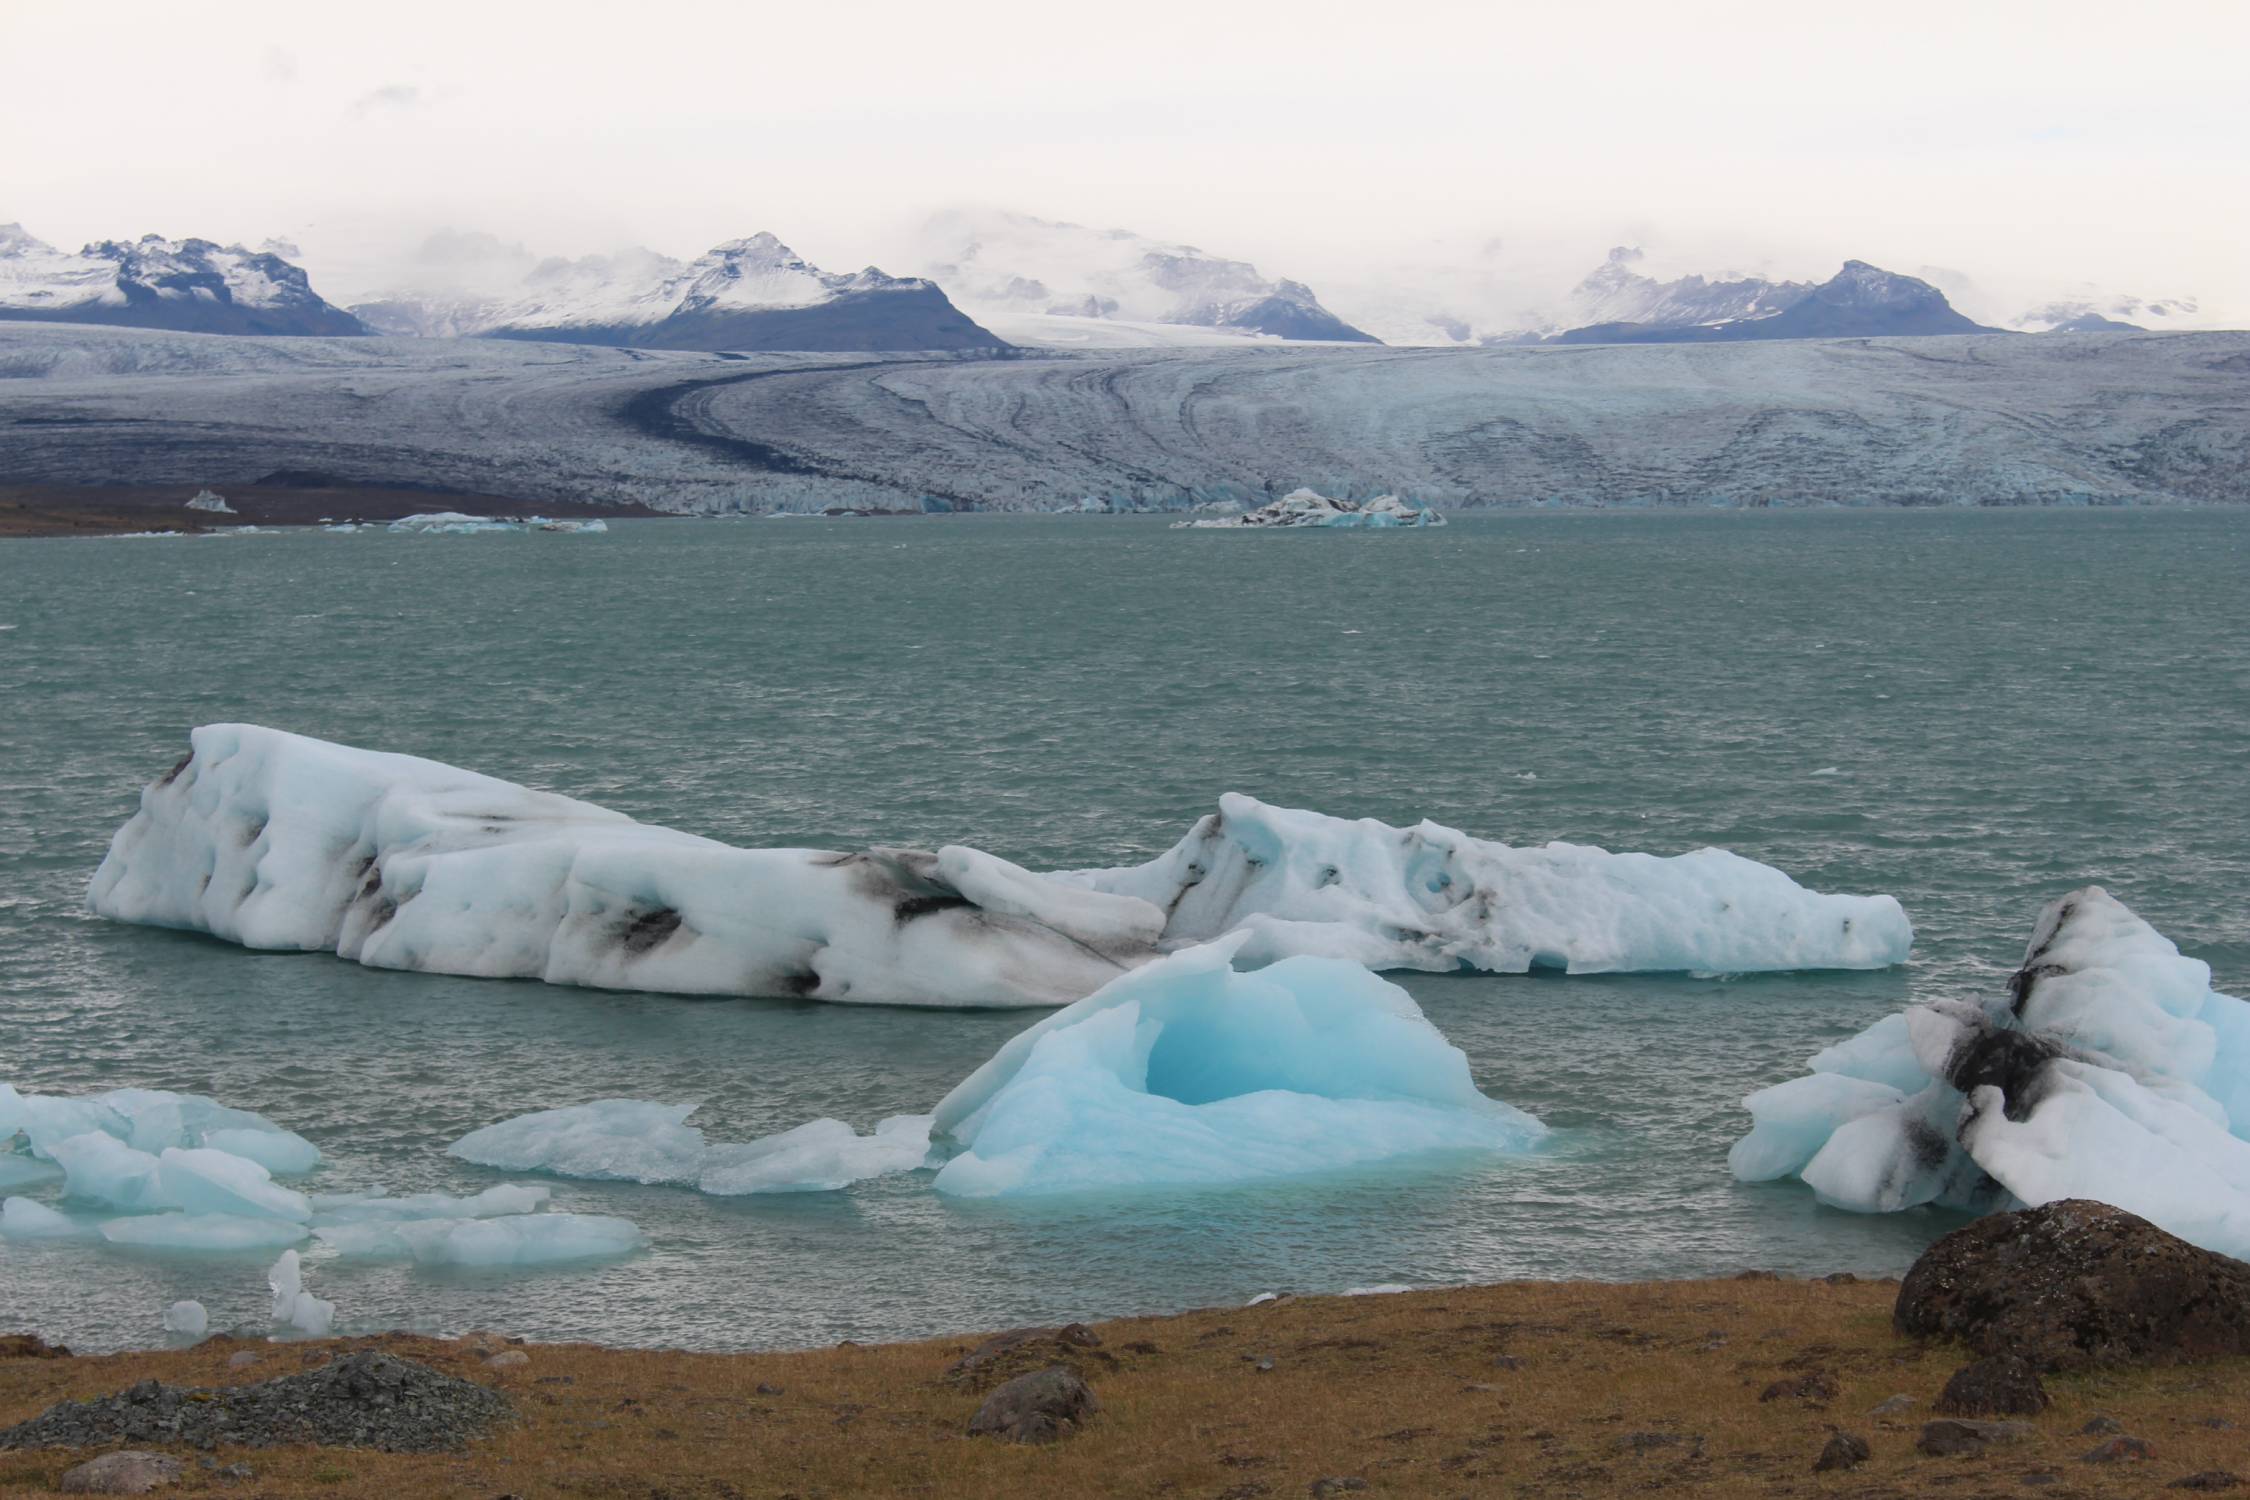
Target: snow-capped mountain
{"points": [[190, 286], [1860, 301], [1042, 282], [753, 293], [2108, 314], [1617, 293]]}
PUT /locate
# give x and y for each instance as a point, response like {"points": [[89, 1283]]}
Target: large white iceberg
{"points": [[1430, 897], [273, 840], [277, 841], [1309, 508], [2110, 1069], [636, 1140], [1188, 1073]]}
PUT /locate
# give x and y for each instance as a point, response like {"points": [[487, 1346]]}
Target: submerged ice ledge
{"points": [[278, 841], [2110, 1069]]}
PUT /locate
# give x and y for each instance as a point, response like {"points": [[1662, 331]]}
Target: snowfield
{"points": [[1991, 419]]}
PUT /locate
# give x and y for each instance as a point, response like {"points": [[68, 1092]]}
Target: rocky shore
{"points": [[1753, 1385]]}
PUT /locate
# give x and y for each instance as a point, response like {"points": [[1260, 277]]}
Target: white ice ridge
{"points": [[1183, 1073], [1430, 897], [2109, 1070], [273, 840], [149, 1170]]}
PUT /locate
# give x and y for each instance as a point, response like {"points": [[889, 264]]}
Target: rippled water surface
{"points": [[1971, 711]]}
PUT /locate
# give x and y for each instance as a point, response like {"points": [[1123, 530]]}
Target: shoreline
{"points": [[61, 510], [1525, 1388]]}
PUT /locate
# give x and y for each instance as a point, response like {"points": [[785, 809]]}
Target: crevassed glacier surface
{"points": [[1187, 1073], [2110, 1069], [275, 840]]}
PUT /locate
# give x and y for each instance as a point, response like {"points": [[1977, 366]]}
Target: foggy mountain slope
{"points": [[2064, 418]]}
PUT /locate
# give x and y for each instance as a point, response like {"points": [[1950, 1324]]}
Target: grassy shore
{"points": [[1537, 1389]]}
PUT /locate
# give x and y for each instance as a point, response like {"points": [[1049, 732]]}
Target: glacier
{"points": [[1187, 1073], [2109, 1068], [277, 841]]}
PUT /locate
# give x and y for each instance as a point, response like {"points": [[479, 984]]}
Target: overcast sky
{"points": [[2022, 145]]}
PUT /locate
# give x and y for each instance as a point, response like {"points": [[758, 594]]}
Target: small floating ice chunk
{"points": [[620, 1140], [819, 1156], [1188, 1073], [493, 1202], [211, 501], [26, 1171], [295, 1306], [26, 1219], [513, 1240], [187, 1318], [201, 1232], [205, 1181]]}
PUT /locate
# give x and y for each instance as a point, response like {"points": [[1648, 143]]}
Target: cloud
{"points": [[279, 66]]}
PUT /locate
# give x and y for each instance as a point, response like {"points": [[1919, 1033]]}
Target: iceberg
{"points": [[493, 1202], [102, 1170], [295, 1306], [196, 1233], [1432, 898], [2108, 1069], [1188, 1073], [276, 841], [512, 1240], [149, 1120], [189, 1318], [460, 523], [1308, 508], [208, 1181], [635, 1140]]}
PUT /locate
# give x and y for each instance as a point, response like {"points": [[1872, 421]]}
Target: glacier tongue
{"points": [[273, 840], [2109, 1070], [1430, 897]]}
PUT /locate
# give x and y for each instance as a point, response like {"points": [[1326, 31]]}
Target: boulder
{"points": [[2076, 1283], [1035, 1408], [1845, 1450], [1950, 1437], [30, 1346], [2130, 1450], [131, 1472], [2208, 1480], [1999, 1385]]}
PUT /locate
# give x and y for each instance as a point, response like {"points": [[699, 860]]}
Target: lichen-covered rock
{"points": [[1035, 1408], [2077, 1283], [1845, 1450], [127, 1473]]}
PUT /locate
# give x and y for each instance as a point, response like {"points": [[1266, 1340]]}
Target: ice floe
{"points": [[634, 1140], [218, 1194], [1183, 1073], [1189, 1073], [459, 523], [274, 840], [2110, 1069], [1308, 508]]}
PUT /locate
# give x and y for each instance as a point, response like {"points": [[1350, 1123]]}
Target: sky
{"points": [[1410, 149]]}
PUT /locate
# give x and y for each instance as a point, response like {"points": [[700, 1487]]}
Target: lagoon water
{"points": [[1972, 711]]}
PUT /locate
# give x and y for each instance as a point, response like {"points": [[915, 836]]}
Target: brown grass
{"points": [[1537, 1389]]}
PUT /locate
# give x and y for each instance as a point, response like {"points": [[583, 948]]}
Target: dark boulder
{"points": [[1999, 1385], [1845, 1450], [1035, 1408], [2077, 1283]]}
